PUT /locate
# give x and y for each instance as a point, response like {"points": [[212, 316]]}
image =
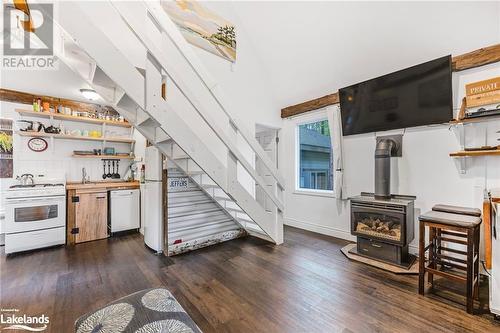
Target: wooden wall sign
{"points": [[484, 92], [481, 57], [488, 98], [482, 87]]}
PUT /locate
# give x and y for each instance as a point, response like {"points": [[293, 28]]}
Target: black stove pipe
{"points": [[383, 152]]}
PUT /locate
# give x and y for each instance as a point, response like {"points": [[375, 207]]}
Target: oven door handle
{"points": [[15, 201]]}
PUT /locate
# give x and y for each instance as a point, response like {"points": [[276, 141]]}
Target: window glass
{"points": [[315, 156]]}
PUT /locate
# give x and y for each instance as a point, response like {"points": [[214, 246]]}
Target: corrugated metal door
{"points": [[195, 220]]}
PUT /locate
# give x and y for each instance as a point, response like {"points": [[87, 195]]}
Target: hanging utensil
{"points": [[109, 175], [117, 175], [104, 176]]}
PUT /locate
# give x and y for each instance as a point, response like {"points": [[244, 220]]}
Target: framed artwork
{"points": [[6, 148], [203, 28]]}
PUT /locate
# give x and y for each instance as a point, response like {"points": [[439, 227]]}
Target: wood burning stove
{"points": [[384, 227]]}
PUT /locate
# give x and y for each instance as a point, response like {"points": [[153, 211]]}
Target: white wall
{"points": [[246, 83], [425, 170]]}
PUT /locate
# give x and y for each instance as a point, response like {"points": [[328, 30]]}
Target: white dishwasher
{"points": [[125, 212]]}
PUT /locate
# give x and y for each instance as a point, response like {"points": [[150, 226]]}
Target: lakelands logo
{"points": [[12, 321], [28, 36]]}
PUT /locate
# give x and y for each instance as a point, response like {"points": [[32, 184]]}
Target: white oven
{"points": [[35, 216], [28, 214]]}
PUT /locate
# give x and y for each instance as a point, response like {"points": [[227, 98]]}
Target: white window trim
{"points": [[298, 189]]}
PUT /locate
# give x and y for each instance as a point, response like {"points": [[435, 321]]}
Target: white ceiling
{"points": [[310, 49], [62, 83]]}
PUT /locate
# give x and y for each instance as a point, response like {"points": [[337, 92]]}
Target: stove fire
{"points": [[376, 227]]}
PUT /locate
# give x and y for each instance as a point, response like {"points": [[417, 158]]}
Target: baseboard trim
{"points": [[329, 231], [320, 229]]}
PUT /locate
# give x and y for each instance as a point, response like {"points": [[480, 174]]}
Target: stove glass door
{"points": [[36, 213], [27, 214], [378, 224]]}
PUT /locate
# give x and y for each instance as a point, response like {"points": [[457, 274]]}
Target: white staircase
{"points": [[194, 126]]}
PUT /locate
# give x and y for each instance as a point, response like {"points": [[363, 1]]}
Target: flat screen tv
{"points": [[416, 96]]}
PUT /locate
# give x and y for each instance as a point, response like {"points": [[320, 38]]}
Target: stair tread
{"points": [[209, 185], [199, 212], [200, 172], [158, 142], [189, 203], [217, 197], [238, 210]]}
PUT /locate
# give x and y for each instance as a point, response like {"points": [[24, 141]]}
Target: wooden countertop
{"points": [[102, 185]]}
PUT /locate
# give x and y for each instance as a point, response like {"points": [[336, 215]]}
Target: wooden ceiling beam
{"points": [[477, 58], [314, 104], [27, 98]]}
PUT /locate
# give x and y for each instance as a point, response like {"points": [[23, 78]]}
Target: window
{"points": [[315, 158]]}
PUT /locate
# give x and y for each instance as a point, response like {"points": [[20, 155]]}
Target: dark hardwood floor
{"points": [[245, 285]]}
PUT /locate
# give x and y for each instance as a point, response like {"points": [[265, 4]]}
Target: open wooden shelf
{"points": [[71, 137], [59, 116], [105, 157], [464, 153], [475, 120]]}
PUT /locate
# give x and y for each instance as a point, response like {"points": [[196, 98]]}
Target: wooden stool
{"points": [[451, 224]]}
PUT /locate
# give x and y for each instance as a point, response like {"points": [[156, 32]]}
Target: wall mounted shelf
{"points": [[106, 157], [460, 126], [71, 137], [471, 153], [475, 120], [58, 116]]}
